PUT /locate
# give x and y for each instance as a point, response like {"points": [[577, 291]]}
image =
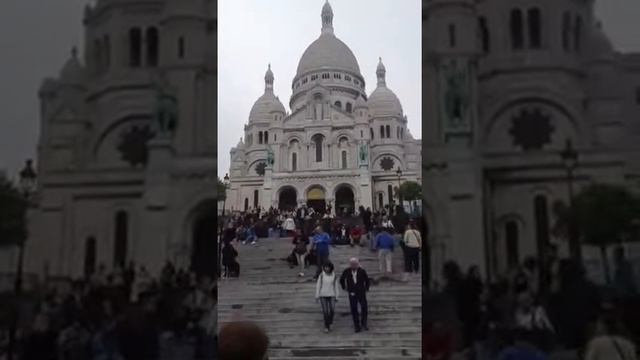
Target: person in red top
{"points": [[356, 234], [437, 342]]}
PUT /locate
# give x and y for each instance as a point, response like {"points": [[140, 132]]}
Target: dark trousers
{"points": [[321, 260], [359, 318], [411, 259], [328, 310]]}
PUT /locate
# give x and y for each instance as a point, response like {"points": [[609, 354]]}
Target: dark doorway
{"points": [[316, 199], [542, 225], [345, 202], [90, 256], [121, 239], [511, 237], [204, 252], [287, 199], [317, 205]]}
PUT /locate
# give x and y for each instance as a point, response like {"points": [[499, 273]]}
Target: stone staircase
{"points": [[273, 296]]}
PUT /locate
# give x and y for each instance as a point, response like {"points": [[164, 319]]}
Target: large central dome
{"points": [[328, 52]]}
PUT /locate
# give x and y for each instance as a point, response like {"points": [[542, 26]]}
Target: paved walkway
{"points": [[272, 295]]}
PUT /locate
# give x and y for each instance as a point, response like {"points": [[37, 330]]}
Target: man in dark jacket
{"points": [[355, 281]]}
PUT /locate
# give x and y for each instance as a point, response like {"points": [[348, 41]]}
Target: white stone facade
{"points": [[507, 83], [115, 183], [338, 146]]}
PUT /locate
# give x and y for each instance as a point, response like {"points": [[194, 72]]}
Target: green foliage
{"points": [[221, 190], [604, 215], [13, 208], [411, 191]]}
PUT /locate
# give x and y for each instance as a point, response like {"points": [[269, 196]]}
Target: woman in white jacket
{"points": [[327, 292]]}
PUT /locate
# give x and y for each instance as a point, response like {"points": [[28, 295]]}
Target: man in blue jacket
{"points": [[385, 245], [321, 242]]}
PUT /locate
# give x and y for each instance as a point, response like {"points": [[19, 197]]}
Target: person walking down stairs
{"points": [[355, 282], [385, 244], [327, 293]]}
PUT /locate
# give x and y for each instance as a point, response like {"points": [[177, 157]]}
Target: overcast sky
{"points": [[36, 37], [254, 33]]}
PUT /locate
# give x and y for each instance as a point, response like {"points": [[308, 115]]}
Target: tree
{"points": [[411, 191], [221, 190], [603, 214], [13, 210]]}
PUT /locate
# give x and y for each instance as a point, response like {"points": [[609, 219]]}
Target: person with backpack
{"points": [[327, 293], [412, 243]]}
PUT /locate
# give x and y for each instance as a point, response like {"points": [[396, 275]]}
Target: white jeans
{"points": [[384, 258], [300, 258]]}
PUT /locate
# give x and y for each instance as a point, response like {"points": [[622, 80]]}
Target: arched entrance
{"points": [[316, 199], [287, 199], [345, 200], [204, 245]]}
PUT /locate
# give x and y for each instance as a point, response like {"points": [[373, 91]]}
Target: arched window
{"points": [[371, 130], [541, 213], [517, 31], [348, 107], [577, 35], [152, 47], [361, 134], [181, 48], [294, 162], [390, 193], [402, 133], [388, 131], [512, 243], [266, 137], [90, 256], [121, 239], [135, 47], [381, 131], [452, 35], [107, 52], [246, 204], [318, 141], [259, 137], [97, 56], [484, 35], [534, 28], [256, 193], [338, 104], [566, 31], [344, 159], [398, 133]]}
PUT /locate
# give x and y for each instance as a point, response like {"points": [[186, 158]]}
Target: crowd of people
{"points": [[534, 310], [121, 315]]}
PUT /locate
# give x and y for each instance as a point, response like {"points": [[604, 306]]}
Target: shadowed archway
{"points": [[204, 252]]}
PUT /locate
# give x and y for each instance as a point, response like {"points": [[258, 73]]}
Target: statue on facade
{"points": [[166, 112], [363, 153], [456, 95], [270, 158]]}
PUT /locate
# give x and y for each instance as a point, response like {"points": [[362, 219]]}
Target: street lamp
{"points": [[27, 186], [570, 161], [223, 223], [399, 173]]}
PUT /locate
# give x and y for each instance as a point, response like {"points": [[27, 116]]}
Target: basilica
{"points": [[337, 146], [524, 104], [127, 147]]}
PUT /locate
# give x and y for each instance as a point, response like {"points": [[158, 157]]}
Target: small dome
{"points": [[267, 103], [600, 46], [383, 102], [73, 72], [264, 107], [360, 103]]}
